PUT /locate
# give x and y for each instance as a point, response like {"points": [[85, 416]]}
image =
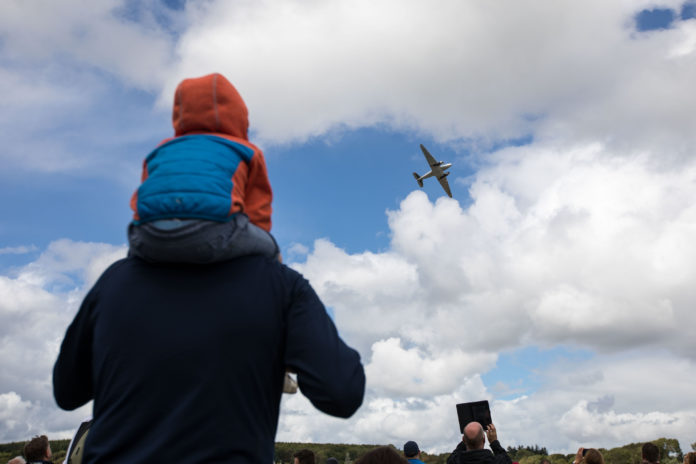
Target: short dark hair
{"points": [[382, 455], [651, 452], [304, 456], [36, 449]]}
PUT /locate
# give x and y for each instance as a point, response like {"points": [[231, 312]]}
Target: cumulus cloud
{"points": [[383, 419], [618, 399], [71, 75], [468, 72], [97, 34], [606, 401], [37, 302], [559, 246], [410, 372], [474, 75]]}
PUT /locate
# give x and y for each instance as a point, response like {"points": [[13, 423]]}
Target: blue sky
{"points": [[560, 269]]}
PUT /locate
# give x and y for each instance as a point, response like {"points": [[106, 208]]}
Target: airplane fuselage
{"points": [[437, 170]]}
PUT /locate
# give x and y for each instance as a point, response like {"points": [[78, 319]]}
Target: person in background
{"points": [[382, 455], [588, 456], [412, 452], [690, 458], [17, 460], [650, 453], [38, 450], [471, 451], [303, 456]]}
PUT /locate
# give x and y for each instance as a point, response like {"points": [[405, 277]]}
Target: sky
{"points": [[557, 283]]}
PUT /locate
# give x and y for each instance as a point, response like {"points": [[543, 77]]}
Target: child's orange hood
{"points": [[209, 104]]}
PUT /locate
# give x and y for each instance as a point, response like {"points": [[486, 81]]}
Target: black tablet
{"points": [[478, 411]]}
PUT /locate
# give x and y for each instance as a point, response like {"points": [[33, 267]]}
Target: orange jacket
{"points": [[210, 105]]}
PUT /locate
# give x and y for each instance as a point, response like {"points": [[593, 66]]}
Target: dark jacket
{"points": [[483, 456], [186, 363]]}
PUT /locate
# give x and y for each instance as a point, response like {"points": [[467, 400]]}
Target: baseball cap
{"points": [[411, 448]]}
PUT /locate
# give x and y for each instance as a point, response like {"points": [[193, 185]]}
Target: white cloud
{"points": [[462, 70], [604, 402], [431, 421], [559, 246], [96, 34], [71, 75], [410, 372], [37, 302], [472, 74], [18, 250]]}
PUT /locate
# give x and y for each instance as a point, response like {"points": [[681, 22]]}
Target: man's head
{"points": [[382, 455], [474, 437], [17, 460], [651, 453], [304, 456], [37, 449], [411, 449], [593, 457]]}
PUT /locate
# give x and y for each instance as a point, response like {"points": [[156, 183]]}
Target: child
{"points": [[205, 195]]}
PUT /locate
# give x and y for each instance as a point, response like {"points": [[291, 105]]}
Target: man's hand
{"points": [[578, 457], [491, 433]]}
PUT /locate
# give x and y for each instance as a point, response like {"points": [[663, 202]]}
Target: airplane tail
{"points": [[418, 179]]}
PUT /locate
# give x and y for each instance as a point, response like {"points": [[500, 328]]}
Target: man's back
{"points": [[187, 362]]}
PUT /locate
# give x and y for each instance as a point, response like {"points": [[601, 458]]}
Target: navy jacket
{"points": [[186, 362]]}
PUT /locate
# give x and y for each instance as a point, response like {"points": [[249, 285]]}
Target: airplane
{"points": [[437, 169]]}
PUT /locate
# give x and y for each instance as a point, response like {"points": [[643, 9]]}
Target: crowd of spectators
{"points": [[471, 450]]}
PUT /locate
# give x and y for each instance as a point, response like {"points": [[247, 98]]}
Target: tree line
{"points": [[670, 452]]}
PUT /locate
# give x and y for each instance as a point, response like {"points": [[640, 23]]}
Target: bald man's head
{"points": [[474, 438]]}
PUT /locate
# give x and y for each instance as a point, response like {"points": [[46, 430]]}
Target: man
{"points": [[650, 454], [38, 450], [17, 460], [412, 452], [304, 456], [185, 363], [588, 456], [470, 450]]}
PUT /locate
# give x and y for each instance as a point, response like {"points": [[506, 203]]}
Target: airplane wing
{"points": [[428, 156], [445, 185]]}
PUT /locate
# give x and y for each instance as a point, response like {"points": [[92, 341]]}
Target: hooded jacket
{"points": [[209, 170]]}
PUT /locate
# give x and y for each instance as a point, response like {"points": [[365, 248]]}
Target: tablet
{"points": [[478, 411]]}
